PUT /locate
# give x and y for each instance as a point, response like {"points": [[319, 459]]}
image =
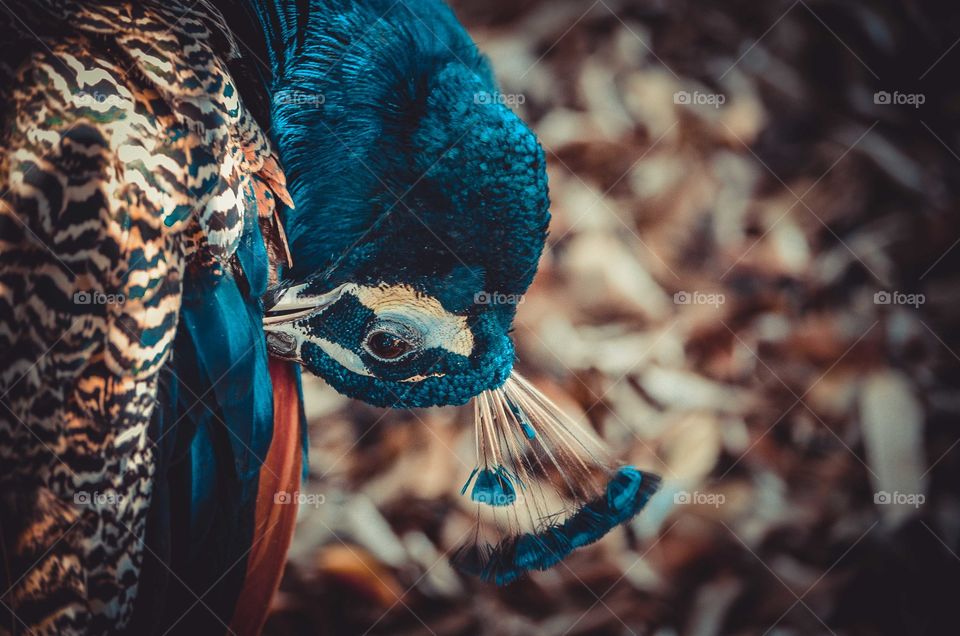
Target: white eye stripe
{"points": [[343, 356], [440, 328]]}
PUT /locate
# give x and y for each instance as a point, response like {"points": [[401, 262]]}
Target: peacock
{"points": [[199, 200]]}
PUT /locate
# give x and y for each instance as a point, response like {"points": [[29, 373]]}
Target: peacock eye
{"points": [[386, 345]]}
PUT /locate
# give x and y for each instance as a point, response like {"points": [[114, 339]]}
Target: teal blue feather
{"points": [[494, 488], [212, 439]]}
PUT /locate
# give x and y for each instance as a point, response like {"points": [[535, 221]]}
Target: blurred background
{"points": [[750, 288]]}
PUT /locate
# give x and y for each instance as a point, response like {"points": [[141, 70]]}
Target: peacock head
{"points": [[419, 221]]}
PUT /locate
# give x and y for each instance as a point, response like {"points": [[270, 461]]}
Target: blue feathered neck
{"points": [[378, 100]]}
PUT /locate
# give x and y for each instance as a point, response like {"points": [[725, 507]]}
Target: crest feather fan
{"points": [[543, 485]]}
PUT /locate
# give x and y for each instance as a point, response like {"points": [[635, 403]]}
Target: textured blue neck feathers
{"points": [[282, 24], [396, 147], [350, 88]]}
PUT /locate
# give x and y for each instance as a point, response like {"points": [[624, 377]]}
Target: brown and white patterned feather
{"points": [[126, 157]]}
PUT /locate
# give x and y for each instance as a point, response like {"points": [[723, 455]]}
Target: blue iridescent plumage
{"points": [[404, 173], [418, 194]]}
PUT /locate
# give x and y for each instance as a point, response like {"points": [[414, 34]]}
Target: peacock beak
{"points": [[290, 304], [287, 309]]}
